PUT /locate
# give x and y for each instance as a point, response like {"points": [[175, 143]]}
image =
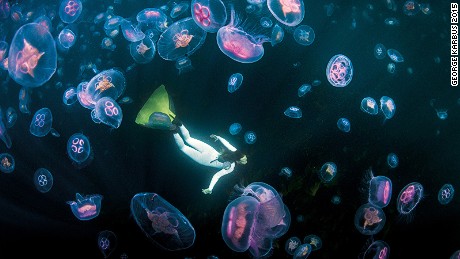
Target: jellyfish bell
{"points": [[287, 12], [210, 15]]}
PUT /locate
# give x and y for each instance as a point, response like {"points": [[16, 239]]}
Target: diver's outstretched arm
{"points": [[224, 142], [216, 177]]}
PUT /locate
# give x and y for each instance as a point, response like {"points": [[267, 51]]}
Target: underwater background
{"points": [[132, 159]]}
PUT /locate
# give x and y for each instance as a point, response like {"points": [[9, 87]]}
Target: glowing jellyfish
{"points": [[327, 172], [142, 51], [392, 160], [178, 9], [108, 83], [277, 35], [161, 222], [234, 82], [108, 112], [304, 35], [387, 106], [182, 38], [265, 22], [69, 96], [285, 171], [131, 32], [302, 252], [239, 45], [380, 51], [378, 250], [369, 106], [344, 125], [392, 21], [7, 163], [11, 117], [446, 194], [369, 219], [107, 242], [303, 90], [291, 245], [3, 49], [339, 71], [210, 15], [183, 64], [66, 38], [395, 56], [234, 128], [314, 240], [87, 207], [4, 9], [41, 123], [411, 8], [24, 100], [409, 197], [293, 112], [43, 180], [316, 82], [70, 10], [107, 43], [32, 58], [380, 188], [79, 150], [336, 200], [287, 12], [153, 16], [250, 137], [391, 68]]}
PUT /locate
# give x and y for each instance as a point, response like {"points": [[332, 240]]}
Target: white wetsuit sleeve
{"points": [[226, 144], [219, 174]]}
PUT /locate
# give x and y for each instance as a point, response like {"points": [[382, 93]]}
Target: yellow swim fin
{"points": [[158, 111]]}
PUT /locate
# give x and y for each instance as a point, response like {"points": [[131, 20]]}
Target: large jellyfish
{"points": [[288, 12]]}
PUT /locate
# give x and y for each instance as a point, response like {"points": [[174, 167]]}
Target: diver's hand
{"points": [[214, 137], [206, 191]]}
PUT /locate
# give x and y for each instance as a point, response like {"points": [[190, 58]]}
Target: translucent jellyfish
{"points": [[455, 255], [3, 49], [107, 242], [125, 100], [250, 137], [41, 123], [107, 43], [441, 110], [24, 100], [43, 180], [446, 194], [210, 15], [239, 45], [11, 117], [302, 252], [336, 200], [426, 8], [277, 35], [293, 112], [32, 58], [7, 163], [70, 10], [108, 112], [395, 56], [161, 222], [369, 105], [4, 136], [392, 160], [286, 171], [4, 9], [69, 96], [131, 32], [287, 12], [291, 245], [180, 39], [178, 9], [314, 240], [304, 35], [108, 83], [153, 16], [66, 38], [234, 82], [235, 128], [16, 13], [409, 197], [316, 82], [344, 125], [303, 90], [265, 22], [380, 51], [380, 188], [387, 106], [391, 21], [183, 64], [112, 25], [339, 71], [391, 68], [369, 219], [411, 8], [378, 250], [327, 172], [142, 51], [79, 150], [87, 207]]}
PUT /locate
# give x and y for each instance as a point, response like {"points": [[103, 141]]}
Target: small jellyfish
{"points": [[395, 56], [314, 240], [344, 125], [235, 128], [234, 82], [70, 10], [302, 251], [300, 218], [87, 207], [285, 171], [41, 123], [4, 136], [287, 12], [304, 35], [391, 21], [11, 117], [327, 172], [183, 64], [250, 137], [108, 112], [142, 51], [409, 197], [380, 51], [392, 160], [293, 112], [7, 163], [3, 50], [336, 200], [380, 188], [106, 241], [125, 100], [107, 43], [446, 194], [210, 15], [411, 8], [79, 150], [303, 90], [291, 245], [369, 219], [426, 8], [178, 9], [391, 68], [43, 180], [378, 250], [265, 22], [277, 35], [66, 38], [69, 96], [387, 106], [369, 106], [316, 82], [339, 71]]}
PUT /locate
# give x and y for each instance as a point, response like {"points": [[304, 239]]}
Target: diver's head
{"points": [[233, 156]]}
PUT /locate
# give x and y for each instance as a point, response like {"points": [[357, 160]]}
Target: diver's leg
{"points": [[195, 143], [192, 153]]}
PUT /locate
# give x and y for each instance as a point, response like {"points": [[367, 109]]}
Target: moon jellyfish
{"points": [[446, 194], [380, 188], [66, 38], [161, 222], [142, 51], [392, 160], [265, 22], [250, 137], [234, 82], [180, 39], [43, 180], [87, 207], [183, 64], [369, 105], [287, 12], [108, 112], [391, 68], [293, 112], [234, 128], [336, 200], [304, 35], [339, 71], [79, 150], [411, 8], [7, 163], [11, 117], [286, 171], [327, 172], [277, 35], [4, 136], [153, 17], [344, 125], [302, 252], [314, 240], [3, 50], [108, 83], [395, 56], [387, 106], [291, 245], [32, 58], [409, 197], [107, 242], [4, 9], [131, 32], [107, 43], [41, 123], [69, 96], [316, 82], [303, 90], [378, 250], [70, 10], [210, 15], [178, 9], [369, 219], [380, 51]]}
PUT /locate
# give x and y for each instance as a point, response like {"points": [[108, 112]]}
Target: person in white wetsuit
{"points": [[206, 155]]}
